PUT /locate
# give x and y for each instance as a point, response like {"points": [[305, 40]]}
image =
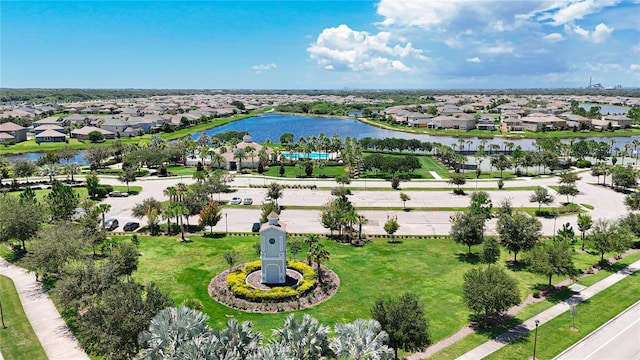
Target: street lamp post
{"points": [[226, 223], [535, 340], [2, 315]]}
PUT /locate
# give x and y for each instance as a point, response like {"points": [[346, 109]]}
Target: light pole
{"points": [[2, 314], [226, 223], [535, 340]]}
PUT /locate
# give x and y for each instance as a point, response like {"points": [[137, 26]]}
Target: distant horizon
{"points": [[321, 89], [325, 45]]}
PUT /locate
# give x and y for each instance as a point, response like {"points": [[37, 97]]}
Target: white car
{"points": [[267, 200], [247, 201], [235, 201]]}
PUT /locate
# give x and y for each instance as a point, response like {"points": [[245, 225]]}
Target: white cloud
{"points": [[424, 14], [341, 48], [636, 48], [497, 49], [634, 67], [604, 67], [263, 67], [553, 37], [598, 35], [474, 60], [565, 12]]}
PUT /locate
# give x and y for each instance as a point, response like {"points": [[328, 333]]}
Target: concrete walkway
{"points": [[505, 338], [54, 335]]}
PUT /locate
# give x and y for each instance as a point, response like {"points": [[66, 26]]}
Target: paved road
{"points": [[606, 201], [618, 339]]}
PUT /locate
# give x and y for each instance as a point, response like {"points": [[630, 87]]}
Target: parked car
{"points": [[235, 201], [111, 224], [255, 227], [267, 200], [131, 226], [247, 201], [117, 193]]}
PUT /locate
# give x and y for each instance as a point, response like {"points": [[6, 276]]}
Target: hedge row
{"points": [[236, 282], [288, 186]]}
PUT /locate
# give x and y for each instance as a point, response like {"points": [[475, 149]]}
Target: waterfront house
{"points": [[18, 132], [622, 121], [511, 123], [452, 122], [539, 122], [50, 135], [83, 133]]}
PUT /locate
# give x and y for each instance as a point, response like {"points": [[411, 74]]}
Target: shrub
{"points": [[583, 164], [536, 294], [500, 184], [236, 282], [395, 182]]}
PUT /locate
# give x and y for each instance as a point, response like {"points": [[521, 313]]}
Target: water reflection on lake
{"points": [[271, 126]]}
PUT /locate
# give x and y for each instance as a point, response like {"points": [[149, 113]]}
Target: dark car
{"points": [[255, 227], [131, 226], [111, 224]]}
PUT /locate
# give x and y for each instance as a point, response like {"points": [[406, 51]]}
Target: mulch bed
{"points": [[218, 291]]}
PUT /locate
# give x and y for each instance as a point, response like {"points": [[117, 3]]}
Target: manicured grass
{"points": [[290, 171], [556, 335], [41, 193], [18, 340], [432, 269]]}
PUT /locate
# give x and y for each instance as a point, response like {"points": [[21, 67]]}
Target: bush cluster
{"points": [[236, 282], [583, 164], [287, 186]]}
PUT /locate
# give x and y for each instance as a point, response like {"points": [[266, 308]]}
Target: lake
{"points": [[271, 126], [607, 109]]}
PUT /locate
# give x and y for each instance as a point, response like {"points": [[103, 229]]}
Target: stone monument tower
{"points": [[273, 251]]}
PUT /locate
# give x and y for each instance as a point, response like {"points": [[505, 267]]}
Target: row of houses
{"points": [[539, 122]]}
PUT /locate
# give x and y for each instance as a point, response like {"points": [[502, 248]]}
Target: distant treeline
{"points": [[398, 97]]}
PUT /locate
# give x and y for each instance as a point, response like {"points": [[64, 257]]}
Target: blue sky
{"points": [[386, 44]]}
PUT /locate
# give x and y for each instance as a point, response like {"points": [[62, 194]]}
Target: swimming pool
{"points": [[313, 156]]}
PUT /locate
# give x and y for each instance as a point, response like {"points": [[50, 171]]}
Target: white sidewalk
{"points": [[54, 335]]}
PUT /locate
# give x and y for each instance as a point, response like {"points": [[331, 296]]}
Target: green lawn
{"points": [[81, 191], [290, 171], [17, 340], [431, 268]]}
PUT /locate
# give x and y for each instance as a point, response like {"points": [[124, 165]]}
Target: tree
{"points": [[624, 177], [95, 136], [210, 215], [490, 253], [404, 321], [467, 228], [93, 183], [274, 191], [124, 258], [50, 170], [391, 226], [305, 338], [568, 190], [80, 282], [541, 196], [61, 201], [23, 168], [151, 208], [310, 240], [103, 209], [518, 232], [361, 339], [71, 168], [457, 179], [319, 254], [404, 198], [180, 211], [54, 245], [295, 247], [608, 236], [111, 324], [128, 175], [481, 204], [489, 291], [231, 257], [96, 155], [551, 258], [20, 218], [584, 225]]}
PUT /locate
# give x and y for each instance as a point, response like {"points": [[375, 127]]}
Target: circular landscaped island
{"points": [[243, 289]]}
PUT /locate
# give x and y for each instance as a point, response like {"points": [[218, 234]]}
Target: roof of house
{"points": [[50, 133], [6, 136], [87, 129], [11, 126], [48, 127]]}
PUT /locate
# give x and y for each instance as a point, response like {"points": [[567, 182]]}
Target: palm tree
{"points": [[361, 339], [50, 170], [274, 191], [168, 214], [318, 255], [71, 169], [240, 154], [305, 339], [217, 159], [171, 193], [584, 224], [310, 240], [180, 211], [103, 208], [170, 330], [237, 339]]}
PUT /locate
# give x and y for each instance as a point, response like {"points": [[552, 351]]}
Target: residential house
{"points": [[18, 132], [540, 122], [486, 123], [50, 135], [511, 123], [415, 119], [622, 121], [83, 133], [452, 122], [5, 137], [42, 128]]}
